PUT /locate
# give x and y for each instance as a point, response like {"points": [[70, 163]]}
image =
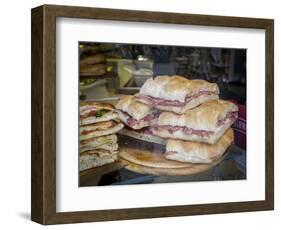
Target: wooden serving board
{"points": [[146, 162], [148, 158]]}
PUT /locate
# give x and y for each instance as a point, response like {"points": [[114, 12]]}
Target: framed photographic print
{"points": [[141, 114]]}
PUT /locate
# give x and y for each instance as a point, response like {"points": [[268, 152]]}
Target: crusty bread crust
{"points": [[195, 152], [134, 108], [203, 117], [123, 117], [179, 134], [176, 87]]}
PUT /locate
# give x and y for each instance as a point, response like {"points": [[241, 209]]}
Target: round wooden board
{"points": [[154, 159], [146, 165]]}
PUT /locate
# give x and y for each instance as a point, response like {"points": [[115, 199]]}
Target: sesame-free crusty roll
{"points": [[176, 94], [205, 123], [198, 152], [134, 113]]}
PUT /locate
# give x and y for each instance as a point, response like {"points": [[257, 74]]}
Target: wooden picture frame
{"points": [[43, 208]]}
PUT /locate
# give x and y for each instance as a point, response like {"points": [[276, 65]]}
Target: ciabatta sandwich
{"points": [[176, 94], [135, 114], [196, 152], [205, 123]]}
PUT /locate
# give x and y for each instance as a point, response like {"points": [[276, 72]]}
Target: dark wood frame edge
{"points": [[43, 159]]}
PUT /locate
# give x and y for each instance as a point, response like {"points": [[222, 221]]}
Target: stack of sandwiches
{"points": [[187, 114], [98, 141], [138, 118], [136, 114]]}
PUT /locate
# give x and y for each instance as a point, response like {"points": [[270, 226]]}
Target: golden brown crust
{"points": [[134, 108], [196, 152], [211, 138], [96, 105], [203, 117], [176, 87], [124, 118]]}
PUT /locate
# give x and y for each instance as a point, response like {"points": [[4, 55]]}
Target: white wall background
{"points": [[15, 112]]}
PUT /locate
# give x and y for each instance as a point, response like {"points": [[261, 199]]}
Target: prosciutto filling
{"points": [[231, 116], [188, 131], [153, 101], [132, 122]]}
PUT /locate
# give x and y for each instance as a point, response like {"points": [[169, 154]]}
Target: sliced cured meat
{"points": [[186, 130], [153, 101], [138, 123], [131, 121], [233, 115]]}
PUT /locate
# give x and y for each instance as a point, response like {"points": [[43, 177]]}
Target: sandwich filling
{"points": [[188, 131], [98, 153], [132, 122], [230, 116], [90, 111], [86, 129], [153, 101]]}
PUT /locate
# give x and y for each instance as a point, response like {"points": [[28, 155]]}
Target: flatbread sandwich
{"points": [[205, 123], [134, 113], [176, 94], [196, 152]]}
